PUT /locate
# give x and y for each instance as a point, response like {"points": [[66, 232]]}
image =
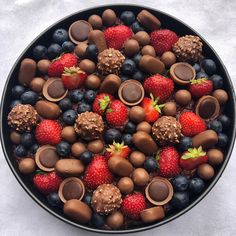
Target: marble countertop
{"points": [[22, 20]]}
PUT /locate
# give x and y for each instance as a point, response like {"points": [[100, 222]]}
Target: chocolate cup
{"points": [[71, 183], [127, 92], [163, 183]]}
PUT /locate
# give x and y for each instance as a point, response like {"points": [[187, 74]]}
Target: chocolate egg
{"points": [[131, 47], [87, 66], [48, 110], [205, 171], [221, 95], [183, 97], [27, 166], [148, 50], [95, 21], [142, 37], [152, 214], [27, 71], [137, 114], [126, 185], [80, 49], [110, 84], [144, 126], [168, 58], [37, 84], [140, 177], [109, 17], [169, 109], [43, 66], [115, 220], [96, 146], [207, 139], [215, 157], [92, 82], [68, 133], [77, 149], [15, 137], [137, 158]]}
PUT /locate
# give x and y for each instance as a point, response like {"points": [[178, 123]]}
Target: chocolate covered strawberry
{"points": [[118, 149], [102, 102], [200, 87]]}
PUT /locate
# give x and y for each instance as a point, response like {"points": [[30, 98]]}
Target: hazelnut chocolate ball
{"points": [[95, 146], [140, 177], [92, 82], [109, 17], [144, 126], [168, 58], [27, 166], [137, 158], [221, 95], [137, 114], [169, 109], [80, 49], [36, 84], [148, 50], [115, 220], [205, 171], [215, 157], [43, 66], [131, 47], [77, 149], [142, 37], [126, 185], [183, 97], [95, 21], [68, 133], [87, 66], [15, 137]]}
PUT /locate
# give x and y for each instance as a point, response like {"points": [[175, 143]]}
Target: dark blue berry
{"points": [[63, 148], [139, 75], [127, 139], [97, 220], [69, 117], [91, 52], [196, 185], [83, 107], [127, 17], [222, 140], [197, 67], [20, 151], [27, 139], [128, 67], [89, 96], [112, 135], [225, 121], [54, 50], [209, 66], [76, 95], [53, 199], [14, 103], [216, 126], [201, 75], [137, 58], [40, 52], [60, 36], [136, 27], [86, 157], [180, 200], [33, 149], [65, 104], [180, 183], [124, 78], [29, 97], [185, 143], [150, 164], [87, 199], [17, 91], [218, 81], [130, 127], [68, 47]]}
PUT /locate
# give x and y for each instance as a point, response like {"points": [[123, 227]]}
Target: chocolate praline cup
{"points": [[71, 188], [159, 191]]}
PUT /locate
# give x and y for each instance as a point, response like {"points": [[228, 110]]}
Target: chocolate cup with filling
{"points": [[159, 191], [71, 188], [46, 158], [131, 92]]}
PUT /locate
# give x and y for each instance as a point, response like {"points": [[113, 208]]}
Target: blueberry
{"points": [[69, 117], [63, 148], [40, 52], [225, 121], [112, 135], [128, 67], [68, 46], [53, 199], [20, 151], [150, 164], [14, 103], [130, 127], [89, 96], [17, 91], [201, 75], [180, 200], [65, 104], [218, 81], [136, 27], [34, 148], [185, 143], [29, 97], [137, 58], [196, 185], [222, 140], [197, 67], [60, 36], [97, 220], [54, 50], [27, 139], [83, 107], [76, 95], [86, 157], [209, 66], [127, 139], [87, 199], [127, 17], [124, 78], [216, 126], [180, 183], [139, 75], [91, 52]]}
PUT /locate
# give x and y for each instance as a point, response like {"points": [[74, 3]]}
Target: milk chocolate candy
{"points": [[27, 71], [110, 84], [120, 166], [78, 211], [221, 95], [152, 214], [95, 146], [151, 65], [36, 84], [97, 37], [148, 20], [27, 166], [207, 139], [47, 110]]}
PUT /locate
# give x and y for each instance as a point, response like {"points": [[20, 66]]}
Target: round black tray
{"points": [[44, 38]]}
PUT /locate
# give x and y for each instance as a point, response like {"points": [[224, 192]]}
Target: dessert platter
{"points": [[118, 119]]}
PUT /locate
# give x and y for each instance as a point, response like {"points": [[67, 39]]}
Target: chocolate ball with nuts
{"points": [[131, 47], [168, 58], [137, 114], [148, 50], [95, 21], [137, 158], [142, 37], [126, 185], [169, 109], [144, 126], [27, 166], [205, 171], [109, 17], [140, 177], [183, 97], [92, 82]]}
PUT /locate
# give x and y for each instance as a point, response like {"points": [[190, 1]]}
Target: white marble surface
{"points": [[22, 20]]}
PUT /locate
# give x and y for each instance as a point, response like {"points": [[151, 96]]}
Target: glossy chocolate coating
{"points": [[137, 158], [109, 17], [95, 21], [183, 97], [207, 139], [27, 166], [169, 109], [137, 114], [205, 171], [221, 95], [152, 214], [126, 185], [144, 126], [215, 157], [140, 177], [36, 84], [77, 149], [68, 133]]}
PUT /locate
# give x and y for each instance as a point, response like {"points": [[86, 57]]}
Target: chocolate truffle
{"points": [[43, 66], [188, 48], [167, 130], [148, 50], [205, 171], [144, 126], [137, 114], [131, 47], [106, 199], [96, 146], [110, 61], [95, 21], [168, 58], [89, 125], [92, 82], [183, 97], [80, 49], [87, 66], [68, 133], [15, 137], [115, 220], [215, 157], [126, 185], [169, 109], [142, 37], [27, 166], [77, 149], [140, 177], [23, 117], [109, 17], [221, 95], [137, 158], [37, 84]]}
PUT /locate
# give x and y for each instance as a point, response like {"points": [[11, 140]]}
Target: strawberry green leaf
{"points": [[198, 81], [193, 153]]}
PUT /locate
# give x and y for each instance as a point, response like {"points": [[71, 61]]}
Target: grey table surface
{"points": [[22, 20]]}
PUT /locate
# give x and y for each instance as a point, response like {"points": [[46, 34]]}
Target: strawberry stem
{"points": [[154, 103]]}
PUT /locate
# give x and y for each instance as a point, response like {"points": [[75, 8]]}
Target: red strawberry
{"points": [[101, 103], [151, 108], [132, 205], [200, 87], [168, 160], [47, 182], [118, 149], [55, 69], [97, 173], [162, 40], [73, 77], [192, 158], [117, 114], [159, 86], [68, 60], [48, 132], [191, 124], [116, 36]]}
